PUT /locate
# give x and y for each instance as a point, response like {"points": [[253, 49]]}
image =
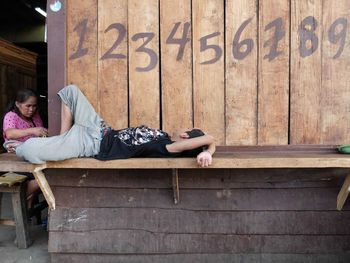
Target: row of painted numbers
{"points": [[308, 44]]}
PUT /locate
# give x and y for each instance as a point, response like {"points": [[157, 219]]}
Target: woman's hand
{"points": [[204, 159], [39, 131]]}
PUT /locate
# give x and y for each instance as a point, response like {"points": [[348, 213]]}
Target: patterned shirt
{"points": [[13, 121]]}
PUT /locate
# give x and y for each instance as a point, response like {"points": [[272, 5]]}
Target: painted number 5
{"points": [[204, 46]]}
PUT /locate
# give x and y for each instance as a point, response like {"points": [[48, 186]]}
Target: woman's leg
{"points": [[32, 190]]}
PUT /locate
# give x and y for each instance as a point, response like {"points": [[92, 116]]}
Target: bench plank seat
{"points": [[238, 157]]}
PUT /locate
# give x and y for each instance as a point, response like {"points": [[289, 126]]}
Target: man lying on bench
{"points": [[84, 134]]}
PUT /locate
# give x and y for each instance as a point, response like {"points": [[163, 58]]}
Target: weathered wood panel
{"points": [[306, 72], [204, 199], [196, 258], [273, 97], [200, 222], [176, 64], [144, 94], [112, 63], [229, 109], [241, 72], [82, 47], [199, 179], [208, 67], [141, 242], [335, 126]]}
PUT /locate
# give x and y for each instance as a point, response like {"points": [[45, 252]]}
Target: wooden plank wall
{"points": [[248, 72], [223, 216]]}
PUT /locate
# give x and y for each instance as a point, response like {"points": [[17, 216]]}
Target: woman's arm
{"points": [[14, 134]]}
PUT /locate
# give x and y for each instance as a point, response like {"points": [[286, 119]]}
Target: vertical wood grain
{"points": [[144, 94], [335, 74], [241, 72], [82, 47], [273, 72], [306, 72], [113, 62], [176, 65], [209, 79]]}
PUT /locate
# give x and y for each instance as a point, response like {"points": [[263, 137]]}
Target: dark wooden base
{"points": [[263, 215]]}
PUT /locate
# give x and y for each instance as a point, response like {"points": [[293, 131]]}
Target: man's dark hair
{"points": [[194, 152], [195, 133]]}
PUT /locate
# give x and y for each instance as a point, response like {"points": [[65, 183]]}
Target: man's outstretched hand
{"points": [[204, 159]]}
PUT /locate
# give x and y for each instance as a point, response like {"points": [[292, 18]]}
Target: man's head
{"points": [[189, 135], [194, 133]]}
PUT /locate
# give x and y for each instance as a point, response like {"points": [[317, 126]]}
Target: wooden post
{"points": [[208, 67], [113, 64], [82, 47], [44, 186], [143, 32], [335, 122], [306, 72], [176, 54], [273, 90], [175, 177], [20, 215], [241, 72]]}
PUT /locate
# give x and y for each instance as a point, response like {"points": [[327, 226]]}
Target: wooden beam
{"points": [[44, 186], [220, 161], [344, 193], [175, 175]]}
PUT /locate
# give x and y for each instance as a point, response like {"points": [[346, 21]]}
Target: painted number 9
{"points": [[340, 36]]}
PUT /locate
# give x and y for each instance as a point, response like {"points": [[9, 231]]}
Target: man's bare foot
{"points": [[11, 145]]}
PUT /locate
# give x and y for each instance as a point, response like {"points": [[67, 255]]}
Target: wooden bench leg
{"points": [[0, 204], [343, 194], [19, 204], [44, 186], [175, 177]]}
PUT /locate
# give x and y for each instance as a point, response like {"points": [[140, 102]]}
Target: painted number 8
{"points": [[307, 34]]}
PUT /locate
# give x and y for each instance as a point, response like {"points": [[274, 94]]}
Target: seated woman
{"points": [[22, 122], [84, 134]]}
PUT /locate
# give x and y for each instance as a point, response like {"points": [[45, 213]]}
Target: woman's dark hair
{"points": [[194, 152], [21, 96]]}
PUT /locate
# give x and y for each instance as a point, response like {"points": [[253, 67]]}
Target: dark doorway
{"points": [[23, 24]]}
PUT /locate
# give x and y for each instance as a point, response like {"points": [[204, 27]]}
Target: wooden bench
{"points": [[15, 185], [245, 157]]}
